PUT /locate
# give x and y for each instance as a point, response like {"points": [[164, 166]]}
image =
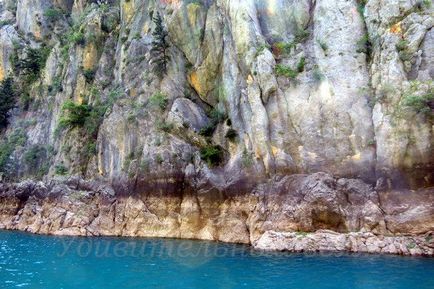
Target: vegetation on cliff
{"points": [[7, 100], [160, 46], [223, 87]]}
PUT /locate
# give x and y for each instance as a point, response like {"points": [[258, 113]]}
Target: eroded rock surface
{"points": [[353, 242], [280, 86], [272, 215], [273, 116]]}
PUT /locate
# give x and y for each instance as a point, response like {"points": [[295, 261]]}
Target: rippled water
{"points": [[30, 261]]}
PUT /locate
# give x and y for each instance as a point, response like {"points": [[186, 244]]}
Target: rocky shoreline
{"points": [[258, 99], [289, 213], [357, 242]]}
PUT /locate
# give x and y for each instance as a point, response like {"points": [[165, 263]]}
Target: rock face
{"points": [[301, 87], [272, 116], [352, 242], [263, 217]]}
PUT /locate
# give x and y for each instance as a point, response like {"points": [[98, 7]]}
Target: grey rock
{"points": [[185, 112], [286, 213]]}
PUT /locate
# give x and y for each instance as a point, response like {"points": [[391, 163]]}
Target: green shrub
{"points": [[56, 86], [91, 148], [160, 100], [261, 49], [208, 130], [165, 126], [25, 99], [217, 115], [364, 45], [114, 94], [427, 3], [323, 45], [18, 137], [420, 103], [7, 100], [8, 146], [60, 170], [14, 58], [402, 45], [361, 7], [405, 55], [301, 64], [284, 47], [231, 134], [301, 35], [34, 156], [53, 14], [6, 150], [74, 115], [212, 155], [104, 7], [95, 118], [109, 22], [42, 170], [76, 37], [64, 52], [32, 64], [89, 75], [287, 71], [87, 117], [137, 36]]}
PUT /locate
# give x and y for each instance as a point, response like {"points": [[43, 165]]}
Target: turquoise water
{"points": [[30, 261]]}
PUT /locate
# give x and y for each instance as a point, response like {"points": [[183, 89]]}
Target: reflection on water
{"points": [[29, 261]]}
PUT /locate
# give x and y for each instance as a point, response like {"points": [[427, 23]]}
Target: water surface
{"points": [[31, 261]]}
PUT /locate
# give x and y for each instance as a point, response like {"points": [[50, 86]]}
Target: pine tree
{"points": [[34, 62], [7, 100], [159, 52]]}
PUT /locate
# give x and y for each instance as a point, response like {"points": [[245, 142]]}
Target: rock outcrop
{"points": [[274, 215], [352, 242], [280, 86], [273, 116]]}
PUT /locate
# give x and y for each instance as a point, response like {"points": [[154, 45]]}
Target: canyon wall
{"points": [[261, 100], [296, 213]]}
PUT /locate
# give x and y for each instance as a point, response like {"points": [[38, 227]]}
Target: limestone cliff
{"points": [[256, 93], [297, 213]]}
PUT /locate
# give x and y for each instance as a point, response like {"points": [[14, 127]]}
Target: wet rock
{"points": [[335, 242], [311, 103], [296, 213]]}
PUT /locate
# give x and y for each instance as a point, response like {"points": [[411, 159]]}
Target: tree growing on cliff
{"points": [[7, 100], [32, 64], [159, 50]]}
